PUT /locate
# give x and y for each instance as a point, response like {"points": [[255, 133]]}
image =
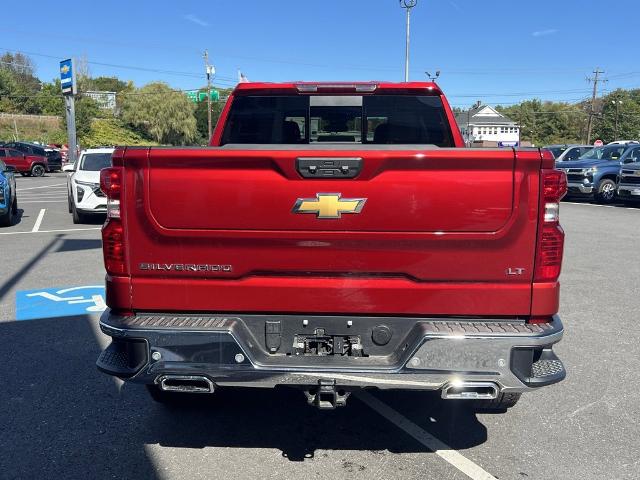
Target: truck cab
{"points": [[594, 175]]}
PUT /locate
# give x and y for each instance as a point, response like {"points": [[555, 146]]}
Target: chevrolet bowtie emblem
{"points": [[64, 69], [329, 205]]}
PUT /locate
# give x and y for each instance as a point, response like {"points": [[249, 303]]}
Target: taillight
{"points": [[113, 238], [550, 242], [113, 247]]}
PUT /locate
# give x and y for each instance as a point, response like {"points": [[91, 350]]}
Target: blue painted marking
{"points": [[59, 302]]}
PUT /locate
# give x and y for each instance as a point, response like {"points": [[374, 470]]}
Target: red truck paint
{"points": [[446, 232]]}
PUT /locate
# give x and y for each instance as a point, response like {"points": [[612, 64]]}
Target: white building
{"points": [[105, 100], [486, 126]]}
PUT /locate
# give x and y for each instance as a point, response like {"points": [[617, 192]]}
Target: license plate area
{"points": [[320, 344]]}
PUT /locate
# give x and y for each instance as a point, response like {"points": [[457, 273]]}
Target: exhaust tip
{"points": [[185, 384], [470, 391]]}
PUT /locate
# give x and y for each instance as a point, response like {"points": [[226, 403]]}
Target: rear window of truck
{"points": [[298, 119]]}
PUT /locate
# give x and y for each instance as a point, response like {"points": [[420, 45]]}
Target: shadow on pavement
{"points": [[18, 218], [64, 419], [7, 284], [61, 417], [73, 244]]}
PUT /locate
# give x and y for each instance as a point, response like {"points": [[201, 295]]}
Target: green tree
{"points": [[50, 100], [108, 84], [621, 107], [8, 87], [25, 85], [160, 113], [86, 110], [544, 123]]}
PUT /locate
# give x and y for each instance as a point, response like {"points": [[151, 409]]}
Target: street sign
{"points": [[598, 143], [192, 95], [215, 96], [198, 96], [68, 77]]}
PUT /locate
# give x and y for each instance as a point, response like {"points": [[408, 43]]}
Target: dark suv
{"points": [[595, 173], [54, 158]]}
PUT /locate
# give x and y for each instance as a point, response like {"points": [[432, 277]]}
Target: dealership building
{"points": [[484, 126]]}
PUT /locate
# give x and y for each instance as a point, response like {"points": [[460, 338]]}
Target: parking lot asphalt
{"points": [[60, 417]]}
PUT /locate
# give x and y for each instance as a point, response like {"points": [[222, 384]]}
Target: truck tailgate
{"points": [[439, 231]]}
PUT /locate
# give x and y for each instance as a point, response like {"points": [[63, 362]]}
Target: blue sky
{"points": [[498, 51]]}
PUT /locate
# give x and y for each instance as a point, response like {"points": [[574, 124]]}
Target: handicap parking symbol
{"points": [[59, 302]]}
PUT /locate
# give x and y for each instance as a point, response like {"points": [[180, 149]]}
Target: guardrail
{"points": [[18, 116]]}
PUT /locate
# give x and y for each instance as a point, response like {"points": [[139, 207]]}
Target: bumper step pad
{"points": [[123, 358], [546, 368]]}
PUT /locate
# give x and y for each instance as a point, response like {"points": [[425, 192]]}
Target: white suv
{"points": [[83, 184]]}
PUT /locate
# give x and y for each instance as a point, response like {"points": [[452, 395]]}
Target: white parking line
{"points": [[444, 451], [48, 195], [42, 186], [53, 231], [36, 226], [606, 206], [42, 201]]}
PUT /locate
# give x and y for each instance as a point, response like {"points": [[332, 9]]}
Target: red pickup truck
{"points": [[334, 237]]}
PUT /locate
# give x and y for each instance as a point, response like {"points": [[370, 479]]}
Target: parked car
{"points": [[595, 174], [83, 184], [25, 164], [54, 158], [629, 182], [622, 142], [568, 153], [8, 196]]}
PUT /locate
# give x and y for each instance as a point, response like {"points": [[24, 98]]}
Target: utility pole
{"points": [[595, 81], [407, 5], [208, 69]]}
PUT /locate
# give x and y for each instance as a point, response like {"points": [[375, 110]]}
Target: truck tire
{"points": [[606, 192], [502, 402], [37, 170]]}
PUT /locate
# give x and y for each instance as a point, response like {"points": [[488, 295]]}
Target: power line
{"points": [[115, 65]]}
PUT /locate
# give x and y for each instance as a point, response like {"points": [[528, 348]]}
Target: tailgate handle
{"points": [[329, 167]]}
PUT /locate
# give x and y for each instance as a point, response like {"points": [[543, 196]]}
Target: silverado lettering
{"points": [[447, 279], [181, 267]]}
